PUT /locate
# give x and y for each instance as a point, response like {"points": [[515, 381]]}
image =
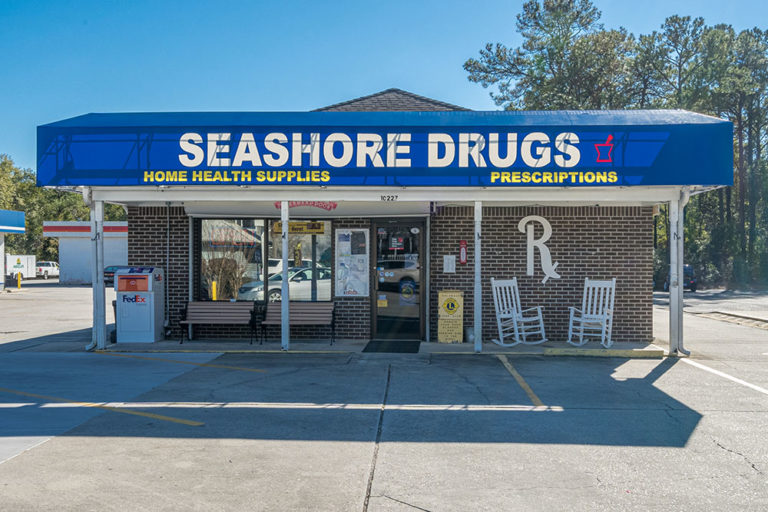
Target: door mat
{"points": [[393, 346]]}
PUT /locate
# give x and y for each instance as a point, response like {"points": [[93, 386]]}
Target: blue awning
{"points": [[410, 149]]}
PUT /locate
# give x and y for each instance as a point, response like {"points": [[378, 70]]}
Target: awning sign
{"points": [[436, 149]]}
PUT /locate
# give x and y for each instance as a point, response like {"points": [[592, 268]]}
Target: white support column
{"points": [[101, 333], [285, 326], [675, 295], [2, 261], [99, 299], [478, 295], [684, 197], [94, 275]]}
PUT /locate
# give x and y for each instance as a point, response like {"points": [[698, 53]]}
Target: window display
{"points": [[232, 254], [309, 260]]}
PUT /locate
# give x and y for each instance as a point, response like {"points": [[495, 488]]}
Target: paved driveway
{"points": [[89, 431], [334, 432]]}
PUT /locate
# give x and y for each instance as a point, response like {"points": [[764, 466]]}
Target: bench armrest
{"points": [[258, 314]]}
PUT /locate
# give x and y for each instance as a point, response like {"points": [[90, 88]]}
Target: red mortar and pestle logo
{"points": [[604, 151]]}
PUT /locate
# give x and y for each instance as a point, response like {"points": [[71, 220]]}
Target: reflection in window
{"points": [[232, 254], [309, 257]]}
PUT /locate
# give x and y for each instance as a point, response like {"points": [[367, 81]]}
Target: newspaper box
{"points": [[450, 317], [140, 304]]}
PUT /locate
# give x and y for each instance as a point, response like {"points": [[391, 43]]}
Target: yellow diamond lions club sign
{"points": [[450, 305]]}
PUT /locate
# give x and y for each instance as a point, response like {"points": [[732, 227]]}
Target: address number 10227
{"points": [[389, 198]]}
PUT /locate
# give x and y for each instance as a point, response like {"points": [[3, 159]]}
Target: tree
{"points": [[680, 49], [567, 60], [18, 191], [541, 65], [646, 84]]}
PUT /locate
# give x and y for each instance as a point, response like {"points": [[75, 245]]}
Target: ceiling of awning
{"points": [[378, 202]]}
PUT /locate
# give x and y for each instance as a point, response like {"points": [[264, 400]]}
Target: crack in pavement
{"points": [[673, 418], [378, 439], [468, 381], [752, 464], [403, 502]]}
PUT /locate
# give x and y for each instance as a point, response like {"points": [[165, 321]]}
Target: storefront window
{"points": [[232, 258], [309, 259]]}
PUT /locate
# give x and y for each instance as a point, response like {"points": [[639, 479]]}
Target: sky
{"points": [[60, 59]]}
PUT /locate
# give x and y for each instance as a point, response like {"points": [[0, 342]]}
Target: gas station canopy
{"points": [[11, 221]]}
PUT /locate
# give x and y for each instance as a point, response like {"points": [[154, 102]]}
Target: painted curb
{"points": [[608, 352], [737, 315], [548, 352]]}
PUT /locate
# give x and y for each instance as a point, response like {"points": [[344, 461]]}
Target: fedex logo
{"points": [[135, 299]]}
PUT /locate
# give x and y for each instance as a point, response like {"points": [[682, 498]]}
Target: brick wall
{"points": [[353, 314], [595, 242], [147, 247]]}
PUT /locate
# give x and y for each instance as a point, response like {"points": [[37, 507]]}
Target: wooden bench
{"points": [[301, 313], [221, 313]]}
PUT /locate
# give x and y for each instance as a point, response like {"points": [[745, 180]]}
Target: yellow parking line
{"points": [[105, 407], [208, 365], [521, 381]]}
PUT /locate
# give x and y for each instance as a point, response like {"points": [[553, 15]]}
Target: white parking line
{"points": [[40, 441], [725, 376], [301, 405]]}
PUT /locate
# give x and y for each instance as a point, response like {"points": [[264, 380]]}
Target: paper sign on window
{"points": [[352, 263]]}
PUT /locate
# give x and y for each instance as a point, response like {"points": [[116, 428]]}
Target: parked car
{"points": [[299, 283], [396, 275], [275, 265], [689, 279], [46, 269], [109, 273]]}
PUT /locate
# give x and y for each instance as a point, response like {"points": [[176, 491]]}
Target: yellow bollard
{"points": [[18, 280], [213, 290]]}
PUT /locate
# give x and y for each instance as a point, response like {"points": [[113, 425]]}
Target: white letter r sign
{"points": [[526, 226]]}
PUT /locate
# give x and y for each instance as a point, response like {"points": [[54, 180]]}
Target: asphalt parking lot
{"points": [[90, 431]]}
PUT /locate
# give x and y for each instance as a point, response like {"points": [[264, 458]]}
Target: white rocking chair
{"points": [[513, 321], [595, 318]]}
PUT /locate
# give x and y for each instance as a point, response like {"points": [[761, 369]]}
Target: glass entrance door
{"points": [[398, 289]]}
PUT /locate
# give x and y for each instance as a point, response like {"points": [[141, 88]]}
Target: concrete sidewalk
{"points": [[47, 317], [550, 348]]}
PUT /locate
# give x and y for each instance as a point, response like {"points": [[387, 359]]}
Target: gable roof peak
{"points": [[391, 100]]}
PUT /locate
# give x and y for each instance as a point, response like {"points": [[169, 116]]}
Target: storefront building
{"points": [[380, 203]]}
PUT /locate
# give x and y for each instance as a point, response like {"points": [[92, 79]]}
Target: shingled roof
{"points": [[391, 100]]}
